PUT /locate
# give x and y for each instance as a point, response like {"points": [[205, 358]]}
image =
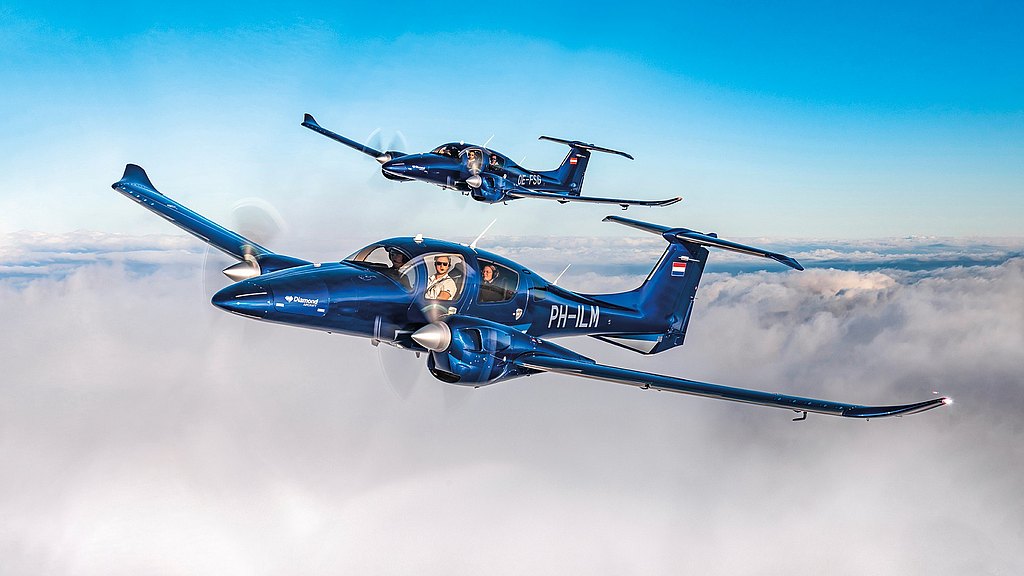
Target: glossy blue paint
{"points": [[481, 318], [489, 176]]}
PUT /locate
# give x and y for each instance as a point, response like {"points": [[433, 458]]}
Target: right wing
{"points": [[520, 192], [309, 122], [135, 184], [547, 363]]}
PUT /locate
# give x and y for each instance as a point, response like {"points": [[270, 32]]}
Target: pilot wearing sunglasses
{"points": [[440, 286]]}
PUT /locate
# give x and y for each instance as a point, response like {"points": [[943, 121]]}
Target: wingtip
{"points": [[307, 119], [134, 174], [787, 260], [901, 410]]}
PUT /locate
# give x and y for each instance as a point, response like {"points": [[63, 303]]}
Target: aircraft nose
{"points": [[245, 298], [397, 167]]}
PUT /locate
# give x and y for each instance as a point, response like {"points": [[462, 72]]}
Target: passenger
{"points": [[440, 285], [489, 272], [494, 161], [490, 290]]}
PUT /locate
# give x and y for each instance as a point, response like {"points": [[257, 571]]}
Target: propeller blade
{"points": [[398, 142]]}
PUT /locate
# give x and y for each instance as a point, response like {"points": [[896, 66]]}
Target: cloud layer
{"points": [[143, 431]]}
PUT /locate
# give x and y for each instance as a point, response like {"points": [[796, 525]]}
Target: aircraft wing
{"points": [[547, 363], [519, 192], [136, 185], [309, 122]]}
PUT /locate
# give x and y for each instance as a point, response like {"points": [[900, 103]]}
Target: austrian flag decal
{"points": [[678, 268], [573, 160]]}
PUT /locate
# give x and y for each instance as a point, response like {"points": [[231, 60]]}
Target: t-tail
{"points": [[574, 166], [666, 298]]}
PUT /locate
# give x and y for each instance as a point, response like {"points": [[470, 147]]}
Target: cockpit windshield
{"points": [[450, 150], [394, 262]]}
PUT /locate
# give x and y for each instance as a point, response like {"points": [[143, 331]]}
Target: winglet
{"points": [[134, 174], [308, 120]]}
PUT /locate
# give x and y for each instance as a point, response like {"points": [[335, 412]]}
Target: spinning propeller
{"points": [[393, 149]]}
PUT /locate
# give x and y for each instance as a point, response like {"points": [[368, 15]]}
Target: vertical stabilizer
{"points": [[667, 295]]}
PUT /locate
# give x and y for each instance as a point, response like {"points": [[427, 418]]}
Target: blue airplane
{"points": [[488, 176], [481, 318]]}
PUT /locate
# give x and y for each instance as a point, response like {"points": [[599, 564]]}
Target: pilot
{"points": [[398, 259], [474, 161], [494, 161], [440, 285]]}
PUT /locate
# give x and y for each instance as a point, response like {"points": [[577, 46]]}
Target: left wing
{"points": [[136, 185], [547, 363], [519, 192]]}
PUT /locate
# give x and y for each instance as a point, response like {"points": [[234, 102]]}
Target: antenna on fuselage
{"points": [[559, 277], [488, 141], [473, 244]]}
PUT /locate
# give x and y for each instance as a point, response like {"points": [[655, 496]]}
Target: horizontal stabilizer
{"points": [[563, 198], [693, 237], [647, 380], [136, 185], [585, 146]]}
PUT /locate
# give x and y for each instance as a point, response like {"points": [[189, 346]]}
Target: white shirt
{"points": [[440, 283]]}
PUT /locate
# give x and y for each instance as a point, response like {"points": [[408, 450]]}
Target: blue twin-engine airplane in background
{"points": [[481, 318], [488, 176]]}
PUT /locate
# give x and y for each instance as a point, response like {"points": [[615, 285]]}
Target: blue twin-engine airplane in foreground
{"points": [[481, 318], [486, 175]]}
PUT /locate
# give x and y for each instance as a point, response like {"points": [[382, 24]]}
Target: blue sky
{"points": [[795, 121]]}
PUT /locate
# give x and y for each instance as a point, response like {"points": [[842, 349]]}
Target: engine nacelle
{"points": [[485, 189], [476, 352]]}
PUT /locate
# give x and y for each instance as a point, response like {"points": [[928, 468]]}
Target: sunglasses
{"points": [[441, 264]]}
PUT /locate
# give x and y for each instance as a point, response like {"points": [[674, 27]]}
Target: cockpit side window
{"points": [[474, 159], [497, 283], [495, 162]]}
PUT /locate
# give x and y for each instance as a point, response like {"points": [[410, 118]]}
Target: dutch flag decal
{"points": [[678, 268]]}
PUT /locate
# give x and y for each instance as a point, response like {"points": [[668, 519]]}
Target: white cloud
{"points": [[142, 430]]}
